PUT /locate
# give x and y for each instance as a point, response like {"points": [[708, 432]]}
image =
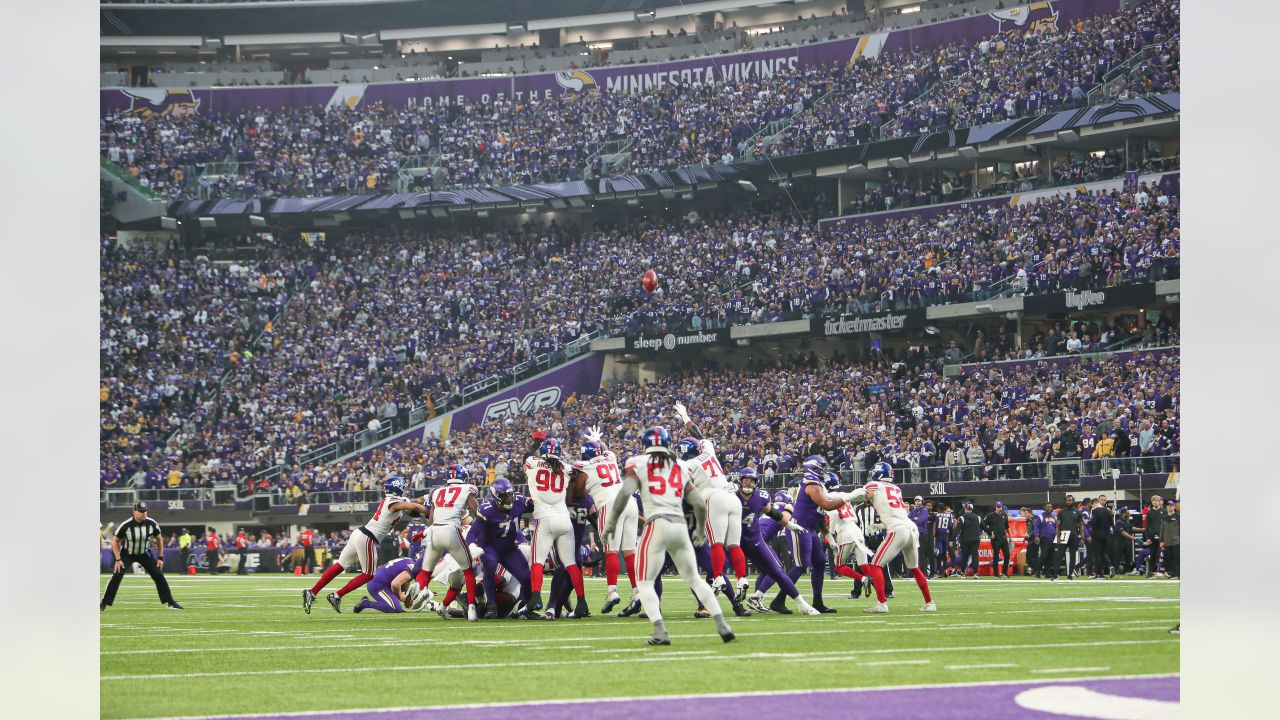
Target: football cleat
{"points": [[718, 584], [360, 605], [631, 609], [722, 627], [929, 607], [824, 610], [441, 610], [856, 591], [610, 603], [779, 605], [549, 616], [755, 604], [335, 601], [743, 583], [308, 597], [472, 615], [102, 606], [702, 613], [535, 601], [810, 610], [877, 608], [491, 612], [741, 611], [173, 605], [580, 610]]}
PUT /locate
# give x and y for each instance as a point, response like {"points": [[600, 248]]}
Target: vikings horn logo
{"points": [[148, 103], [1036, 17], [575, 80]]}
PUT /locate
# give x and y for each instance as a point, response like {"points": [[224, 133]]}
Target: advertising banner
{"points": [[579, 377], [256, 560], [677, 341], [1078, 301], [887, 322], [1037, 17]]}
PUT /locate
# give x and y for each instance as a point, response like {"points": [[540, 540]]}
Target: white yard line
{"points": [[658, 657], [980, 667], [556, 641], [1054, 671]]}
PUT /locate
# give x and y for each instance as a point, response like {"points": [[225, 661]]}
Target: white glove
{"points": [[699, 536], [794, 526], [682, 412], [593, 434]]}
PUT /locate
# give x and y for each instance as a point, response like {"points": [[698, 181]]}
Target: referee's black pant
{"points": [[240, 568], [148, 563], [308, 559]]}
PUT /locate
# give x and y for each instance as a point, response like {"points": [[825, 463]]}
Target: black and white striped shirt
{"points": [[134, 535], [868, 520]]}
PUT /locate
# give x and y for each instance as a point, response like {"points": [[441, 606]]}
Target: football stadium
{"points": [[605, 358]]}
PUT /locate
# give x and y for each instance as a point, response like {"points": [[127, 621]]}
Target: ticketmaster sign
{"points": [[830, 325]]}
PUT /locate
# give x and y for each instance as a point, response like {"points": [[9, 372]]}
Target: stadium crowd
{"points": [[318, 151], [378, 324], [987, 423]]}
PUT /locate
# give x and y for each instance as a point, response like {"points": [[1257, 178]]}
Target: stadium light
{"points": [[168, 223], [899, 162], [1068, 136], [968, 152], [208, 222], [647, 16], [748, 186], [257, 221]]}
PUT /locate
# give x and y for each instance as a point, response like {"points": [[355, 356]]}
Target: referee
{"points": [[131, 544]]}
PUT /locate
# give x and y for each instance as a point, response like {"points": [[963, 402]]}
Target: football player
{"points": [[755, 503], [769, 530], [901, 535], [583, 513], [807, 549], [663, 491], [496, 531], [597, 475], [361, 549], [722, 511], [546, 470], [388, 588], [846, 536], [457, 498]]}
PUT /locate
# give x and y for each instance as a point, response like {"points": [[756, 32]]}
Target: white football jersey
{"points": [[705, 472], [449, 503], [603, 478], [887, 500], [384, 520], [661, 487], [547, 487], [844, 523]]}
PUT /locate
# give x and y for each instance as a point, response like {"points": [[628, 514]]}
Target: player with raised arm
{"points": [[901, 535], [388, 590], [496, 530], [449, 504], [756, 503], [597, 475], [807, 548], [660, 479], [361, 549], [723, 511], [546, 469]]}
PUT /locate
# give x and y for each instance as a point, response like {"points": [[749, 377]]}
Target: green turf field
{"points": [[243, 645]]}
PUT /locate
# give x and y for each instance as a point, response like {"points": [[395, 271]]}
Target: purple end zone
{"points": [[923, 703]]}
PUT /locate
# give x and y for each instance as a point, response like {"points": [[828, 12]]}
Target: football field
{"points": [[244, 647]]}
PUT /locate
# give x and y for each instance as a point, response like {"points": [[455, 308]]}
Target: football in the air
{"points": [[649, 281]]}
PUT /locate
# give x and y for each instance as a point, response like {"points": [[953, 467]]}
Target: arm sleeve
{"points": [[855, 496]]}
